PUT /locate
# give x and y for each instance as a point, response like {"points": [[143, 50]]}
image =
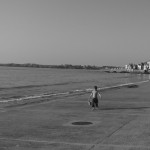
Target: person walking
{"points": [[93, 99]]}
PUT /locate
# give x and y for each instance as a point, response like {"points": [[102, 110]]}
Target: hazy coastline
{"points": [[62, 66]]}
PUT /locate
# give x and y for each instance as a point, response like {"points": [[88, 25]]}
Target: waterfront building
{"points": [[139, 67], [148, 62]]}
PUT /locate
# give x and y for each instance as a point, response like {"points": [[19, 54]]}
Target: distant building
{"points": [[126, 66], [129, 67], [146, 66], [148, 63], [143, 66], [139, 67]]}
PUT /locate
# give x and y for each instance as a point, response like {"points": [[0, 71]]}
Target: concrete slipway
{"points": [[121, 123]]}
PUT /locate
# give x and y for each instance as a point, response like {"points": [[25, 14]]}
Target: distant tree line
{"points": [[65, 66]]}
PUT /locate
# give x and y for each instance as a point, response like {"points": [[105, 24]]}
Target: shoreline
{"points": [[126, 71], [39, 99]]}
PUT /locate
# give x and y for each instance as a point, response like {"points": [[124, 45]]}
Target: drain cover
{"points": [[82, 123]]}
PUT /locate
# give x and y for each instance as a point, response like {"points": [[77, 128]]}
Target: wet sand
{"points": [[122, 122]]}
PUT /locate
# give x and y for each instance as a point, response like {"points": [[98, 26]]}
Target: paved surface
{"points": [[121, 123]]}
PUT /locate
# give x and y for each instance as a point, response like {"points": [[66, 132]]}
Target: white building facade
{"points": [[148, 63]]}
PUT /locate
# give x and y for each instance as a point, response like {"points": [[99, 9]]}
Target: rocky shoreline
{"points": [[126, 71]]}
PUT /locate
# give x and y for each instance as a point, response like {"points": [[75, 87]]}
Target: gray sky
{"points": [[86, 32]]}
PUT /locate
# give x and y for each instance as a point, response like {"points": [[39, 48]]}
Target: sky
{"points": [[77, 32]]}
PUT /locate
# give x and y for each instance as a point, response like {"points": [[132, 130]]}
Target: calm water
{"points": [[16, 82]]}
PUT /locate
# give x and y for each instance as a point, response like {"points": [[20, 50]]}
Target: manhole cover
{"points": [[82, 123]]}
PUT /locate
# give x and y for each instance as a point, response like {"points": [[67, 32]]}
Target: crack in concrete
{"points": [[98, 142], [125, 146]]}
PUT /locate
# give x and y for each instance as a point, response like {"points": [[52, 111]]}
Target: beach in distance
{"points": [[21, 83]]}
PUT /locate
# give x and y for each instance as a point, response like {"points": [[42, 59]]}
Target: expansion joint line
{"points": [[99, 142]]}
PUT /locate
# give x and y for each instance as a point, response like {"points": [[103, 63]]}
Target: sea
{"points": [[21, 83]]}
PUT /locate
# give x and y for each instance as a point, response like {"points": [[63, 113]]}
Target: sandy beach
{"points": [[67, 123]]}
